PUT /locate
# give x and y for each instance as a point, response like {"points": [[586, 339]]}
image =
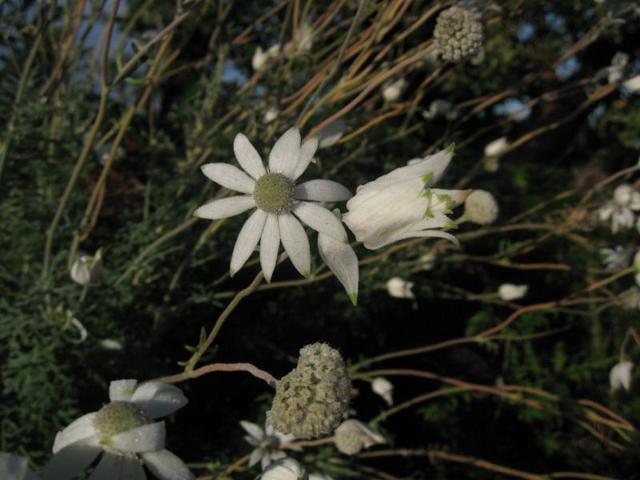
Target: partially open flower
{"points": [[401, 204], [509, 292], [352, 436], [620, 376], [13, 467], [480, 207], [126, 432], [285, 469]]}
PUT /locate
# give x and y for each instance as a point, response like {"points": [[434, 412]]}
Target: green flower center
{"points": [[274, 193], [118, 417]]}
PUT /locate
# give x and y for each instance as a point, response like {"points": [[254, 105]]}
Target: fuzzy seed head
{"points": [[480, 207], [274, 193], [458, 34], [311, 400], [118, 417]]}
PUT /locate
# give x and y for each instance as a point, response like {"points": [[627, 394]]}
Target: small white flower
{"points": [[277, 201], [625, 195], [262, 60], [270, 115], [331, 133], [125, 432], [480, 207], [509, 291], [267, 443], [497, 147], [615, 258], [352, 436], [632, 85], [383, 387], [392, 92], [13, 467], [400, 204], [285, 469], [400, 288], [86, 268], [620, 376], [620, 209]]}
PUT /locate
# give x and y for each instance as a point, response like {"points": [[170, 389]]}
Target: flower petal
{"points": [[307, 151], [296, 243], [371, 245], [79, 429], [284, 155], [256, 455], [158, 399], [322, 191], [269, 245], [320, 219], [229, 176], [247, 240], [248, 157], [147, 438], [121, 390], [342, 261], [71, 460], [166, 466], [252, 429], [118, 467], [225, 207]]}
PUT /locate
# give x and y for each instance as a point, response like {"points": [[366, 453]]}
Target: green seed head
{"points": [[118, 417], [274, 193]]}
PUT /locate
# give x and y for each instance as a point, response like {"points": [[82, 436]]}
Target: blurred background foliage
{"points": [[101, 151]]}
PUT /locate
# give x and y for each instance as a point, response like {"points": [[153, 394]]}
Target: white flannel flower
{"points": [[620, 376], [401, 204], [392, 92], [267, 443], [278, 201], [620, 209], [13, 467], [400, 288], [383, 387], [285, 469], [615, 258], [126, 432], [86, 268], [509, 291]]}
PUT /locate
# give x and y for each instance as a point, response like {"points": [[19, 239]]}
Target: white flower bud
{"points": [[620, 376], [86, 268], [632, 85], [285, 469], [509, 291], [384, 388], [352, 436], [622, 194], [400, 288], [497, 147], [270, 115], [480, 207], [391, 93]]}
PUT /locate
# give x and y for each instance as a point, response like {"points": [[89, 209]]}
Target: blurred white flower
{"points": [[276, 198], [270, 115], [440, 108], [509, 291], [331, 133], [400, 204], [13, 467], [384, 388], [392, 92], [615, 258], [125, 432], [262, 60], [86, 268], [400, 288], [480, 207], [620, 376], [285, 469], [352, 436], [320, 476], [110, 344], [632, 85], [267, 443], [492, 164], [615, 71], [427, 261], [630, 298], [497, 147], [303, 40], [620, 209]]}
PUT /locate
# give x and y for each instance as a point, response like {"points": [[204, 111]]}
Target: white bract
{"points": [[509, 291], [400, 288], [620, 376], [615, 258], [13, 467], [619, 210], [279, 205], [383, 387], [86, 268], [125, 432], [267, 443], [285, 469], [401, 204]]}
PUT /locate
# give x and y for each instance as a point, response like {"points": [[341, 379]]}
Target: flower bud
{"points": [[480, 207], [458, 34], [400, 288], [86, 268], [392, 93], [311, 400], [285, 469], [352, 436], [384, 388], [497, 147], [620, 376], [509, 291]]}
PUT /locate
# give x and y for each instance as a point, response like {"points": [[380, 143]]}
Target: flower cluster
{"points": [[458, 34], [620, 209]]}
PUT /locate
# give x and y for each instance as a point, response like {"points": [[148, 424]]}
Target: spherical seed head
{"points": [[480, 207], [458, 34], [274, 193], [311, 400], [118, 417]]}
